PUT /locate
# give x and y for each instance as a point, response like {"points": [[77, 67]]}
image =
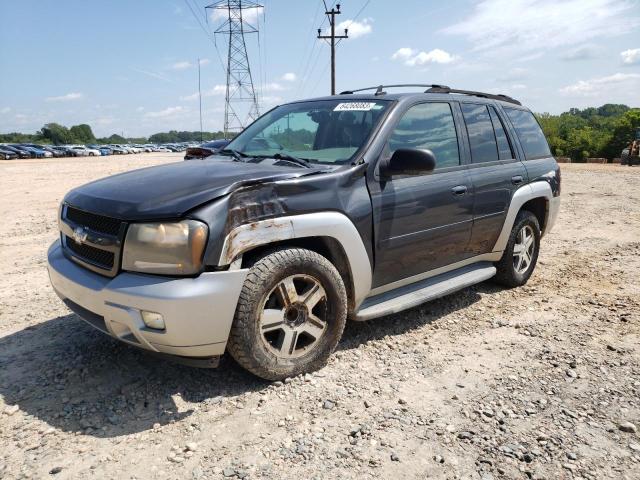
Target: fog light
{"points": [[153, 320]]}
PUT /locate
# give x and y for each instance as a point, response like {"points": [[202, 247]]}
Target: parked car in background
{"points": [[6, 154], [82, 150], [103, 149], [44, 148], [65, 151], [205, 150], [17, 151], [117, 150], [33, 152]]}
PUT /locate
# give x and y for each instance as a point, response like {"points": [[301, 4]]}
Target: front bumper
{"points": [[198, 312]]}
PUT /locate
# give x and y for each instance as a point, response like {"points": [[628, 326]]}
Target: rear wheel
{"points": [[290, 315], [521, 254]]}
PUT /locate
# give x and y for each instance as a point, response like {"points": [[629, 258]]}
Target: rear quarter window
{"points": [[529, 133]]}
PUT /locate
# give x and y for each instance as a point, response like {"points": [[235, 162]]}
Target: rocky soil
{"points": [[537, 382]]}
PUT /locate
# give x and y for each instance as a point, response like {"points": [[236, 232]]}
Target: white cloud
{"points": [[181, 65], [5, 110], [413, 58], [273, 87], [211, 92], [139, 109], [356, 29], [66, 98], [249, 15], [543, 24], [597, 86], [631, 56], [204, 61], [167, 112], [583, 52], [289, 77], [403, 53]]}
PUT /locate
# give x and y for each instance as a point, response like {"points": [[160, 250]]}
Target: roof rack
{"points": [[436, 89], [504, 98], [379, 89]]}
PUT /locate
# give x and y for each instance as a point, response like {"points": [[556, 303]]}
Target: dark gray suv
{"points": [[352, 206]]}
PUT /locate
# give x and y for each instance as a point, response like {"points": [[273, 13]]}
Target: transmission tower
{"points": [[240, 92]]}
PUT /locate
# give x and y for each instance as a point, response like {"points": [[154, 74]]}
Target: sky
{"points": [[130, 67]]}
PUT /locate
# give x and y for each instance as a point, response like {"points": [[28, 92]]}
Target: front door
{"points": [[422, 222]]}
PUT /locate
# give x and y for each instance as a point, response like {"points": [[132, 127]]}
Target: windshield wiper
{"points": [[236, 154], [290, 158]]}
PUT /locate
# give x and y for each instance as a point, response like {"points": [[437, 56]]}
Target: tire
{"points": [[275, 334], [624, 158], [514, 271]]}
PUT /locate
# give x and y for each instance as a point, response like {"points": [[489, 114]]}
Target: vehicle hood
{"points": [[169, 191]]}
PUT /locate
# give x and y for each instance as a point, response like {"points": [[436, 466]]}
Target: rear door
{"points": [[495, 173], [422, 222]]}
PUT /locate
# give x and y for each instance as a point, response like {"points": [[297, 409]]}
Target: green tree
{"points": [[56, 134], [82, 133]]}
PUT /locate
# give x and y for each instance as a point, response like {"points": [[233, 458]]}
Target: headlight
{"points": [[165, 248]]}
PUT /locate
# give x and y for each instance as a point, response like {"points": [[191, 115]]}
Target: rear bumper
{"points": [[198, 312], [554, 209]]}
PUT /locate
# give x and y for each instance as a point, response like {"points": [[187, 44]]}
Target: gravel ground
{"points": [[537, 382]]}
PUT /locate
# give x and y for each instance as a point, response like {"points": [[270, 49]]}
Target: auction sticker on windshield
{"points": [[354, 107]]}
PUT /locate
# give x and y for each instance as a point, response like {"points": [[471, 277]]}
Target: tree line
{"points": [[600, 132], [56, 134]]}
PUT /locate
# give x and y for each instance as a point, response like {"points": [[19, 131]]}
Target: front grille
{"points": [[95, 256], [95, 222], [100, 240]]}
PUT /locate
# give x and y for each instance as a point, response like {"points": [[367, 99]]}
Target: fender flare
{"points": [[322, 224], [540, 189]]}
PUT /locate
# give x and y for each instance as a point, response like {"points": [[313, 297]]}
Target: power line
{"points": [[206, 31], [312, 43], [360, 11]]}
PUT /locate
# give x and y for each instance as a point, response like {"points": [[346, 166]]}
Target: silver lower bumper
{"points": [[198, 312], [554, 209]]}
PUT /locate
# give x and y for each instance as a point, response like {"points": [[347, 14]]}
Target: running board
{"points": [[429, 289]]}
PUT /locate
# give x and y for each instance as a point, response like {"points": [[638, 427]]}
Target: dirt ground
{"points": [[536, 382]]}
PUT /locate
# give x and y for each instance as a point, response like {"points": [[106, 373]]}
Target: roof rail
{"points": [[436, 89], [504, 98], [379, 89]]}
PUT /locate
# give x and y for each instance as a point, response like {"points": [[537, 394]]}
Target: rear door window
{"points": [[529, 133], [482, 139], [504, 149]]}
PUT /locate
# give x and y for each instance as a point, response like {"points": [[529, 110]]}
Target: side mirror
{"points": [[409, 161]]}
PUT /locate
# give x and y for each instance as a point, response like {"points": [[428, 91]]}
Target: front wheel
{"points": [[521, 254], [290, 315]]}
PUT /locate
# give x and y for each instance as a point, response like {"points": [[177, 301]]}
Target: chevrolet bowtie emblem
{"points": [[80, 235]]}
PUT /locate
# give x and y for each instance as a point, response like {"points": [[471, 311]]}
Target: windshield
{"points": [[326, 131]]}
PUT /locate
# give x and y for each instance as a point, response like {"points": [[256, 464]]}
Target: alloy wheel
{"points": [[293, 317], [523, 249]]}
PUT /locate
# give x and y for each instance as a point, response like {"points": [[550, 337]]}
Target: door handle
{"points": [[459, 190], [517, 179]]}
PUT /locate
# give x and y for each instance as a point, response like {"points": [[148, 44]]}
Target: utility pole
{"points": [[331, 14], [240, 89]]}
